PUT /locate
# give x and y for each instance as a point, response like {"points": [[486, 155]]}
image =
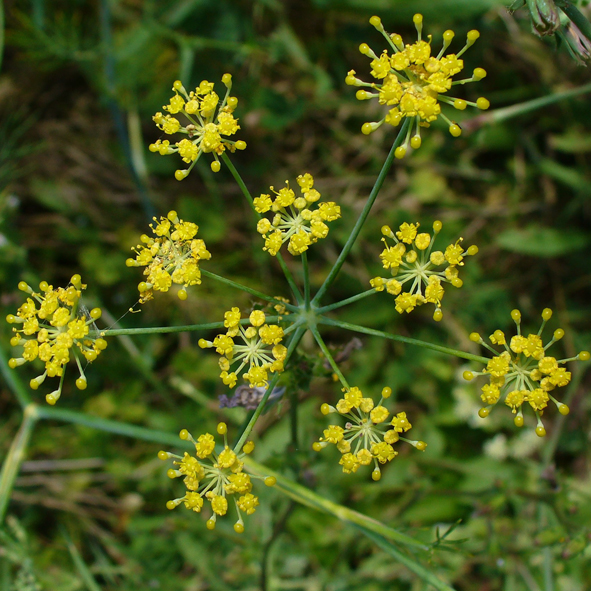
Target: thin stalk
{"points": [[293, 343], [309, 498], [13, 381], [363, 216], [250, 290], [168, 329], [116, 427], [293, 419], [290, 280], [499, 115], [83, 570], [329, 356], [351, 300], [407, 561], [401, 339], [306, 280], [560, 422], [15, 456]]}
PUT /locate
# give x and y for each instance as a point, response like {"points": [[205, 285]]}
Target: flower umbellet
{"points": [[260, 354], [413, 261], [171, 257], [368, 435], [523, 372], [215, 477], [54, 327], [206, 132], [295, 220], [414, 83]]}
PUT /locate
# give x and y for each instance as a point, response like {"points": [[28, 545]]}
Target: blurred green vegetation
{"points": [[79, 85]]}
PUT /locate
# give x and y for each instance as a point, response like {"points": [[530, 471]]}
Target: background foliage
{"points": [[79, 84]]}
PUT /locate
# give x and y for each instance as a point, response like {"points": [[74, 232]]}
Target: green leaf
{"points": [[542, 242]]}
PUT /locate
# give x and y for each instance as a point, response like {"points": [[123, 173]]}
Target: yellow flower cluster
{"points": [[412, 259], [215, 477], [205, 132], [364, 440], [261, 352], [413, 82], [523, 372], [294, 220], [172, 257], [59, 323]]}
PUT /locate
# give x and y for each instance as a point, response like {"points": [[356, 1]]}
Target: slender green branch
{"points": [[550, 447], [329, 356], [14, 383], [15, 457], [246, 193], [363, 216], [293, 343], [499, 115], [185, 328], [401, 339], [116, 427], [305, 496], [306, 280], [351, 300], [250, 290], [407, 561]]}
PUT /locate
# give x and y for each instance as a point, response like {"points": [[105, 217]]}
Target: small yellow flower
{"points": [[205, 133], [523, 372], [413, 84], [59, 324], [366, 437], [260, 354], [214, 477], [172, 257], [294, 221], [417, 266]]}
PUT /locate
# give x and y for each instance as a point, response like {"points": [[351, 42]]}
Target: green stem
{"points": [[293, 343], [15, 457], [401, 339], [329, 356], [116, 427], [363, 216], [411, 564], [83, 570], [351, 300], [246, 193], [250, 290], [499, 115], [13, 381], [306, 280], [168, 329], [560, 422], [305, 496]]}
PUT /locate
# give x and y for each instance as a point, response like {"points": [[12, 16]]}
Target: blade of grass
{"points": [[15, 457], [381, 534], [12, 380], [411, 564], [80, 565]]}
